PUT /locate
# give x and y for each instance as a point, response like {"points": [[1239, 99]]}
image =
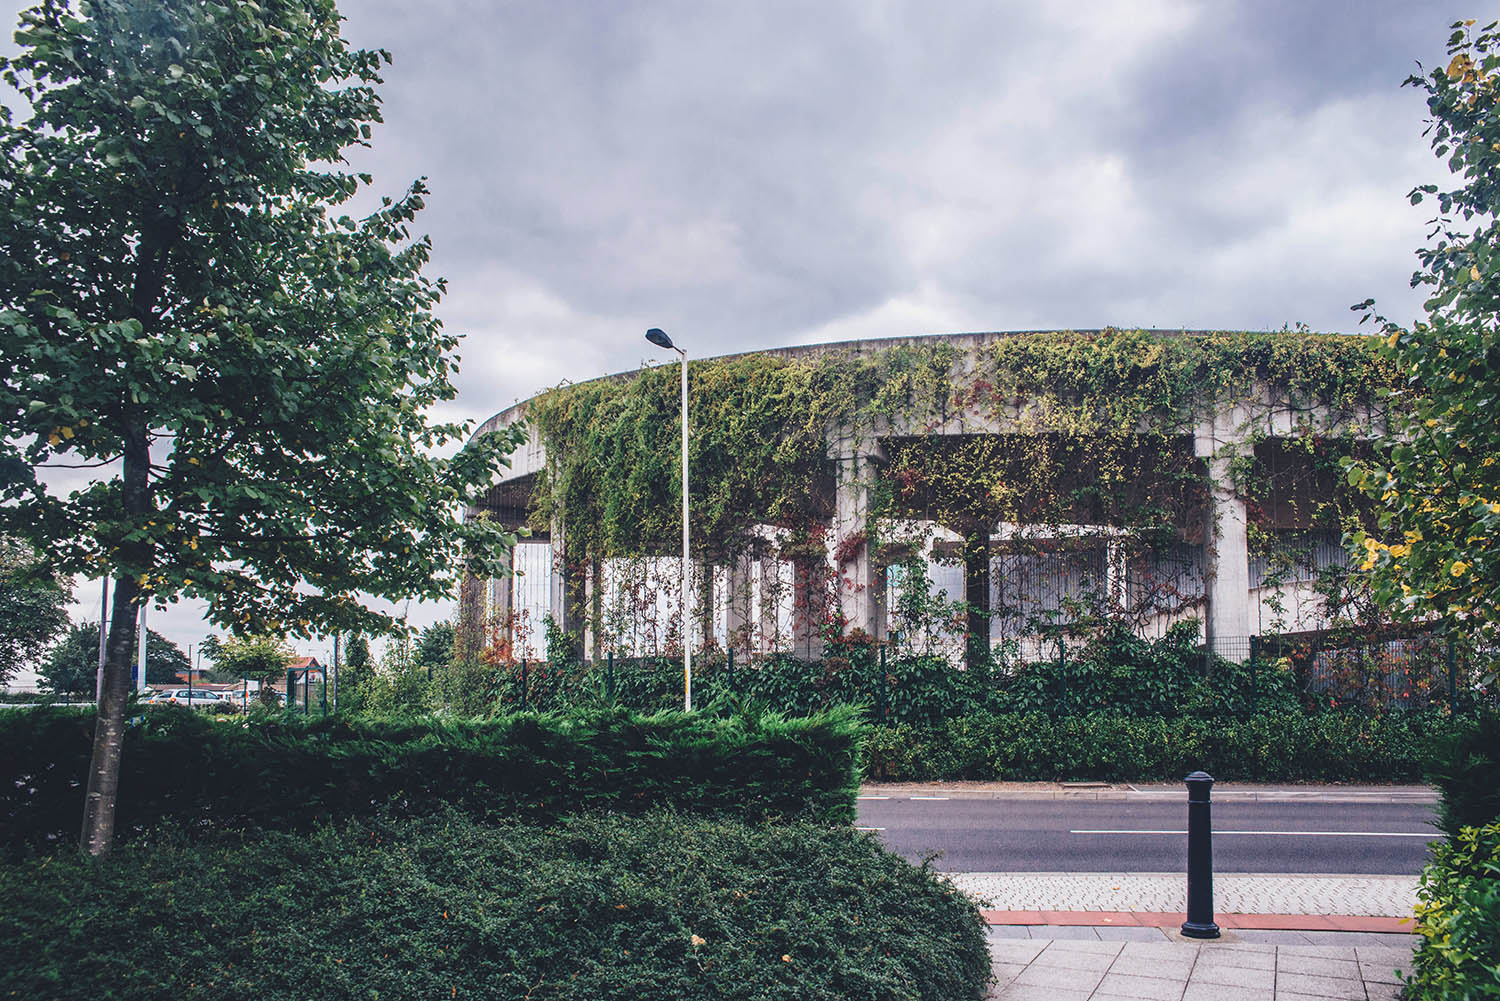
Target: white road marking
{"points": [[872, 797], [929, 797], [1300, 834], [869, 828]]}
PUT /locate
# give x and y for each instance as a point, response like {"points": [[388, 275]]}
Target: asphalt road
{"points": [[1006, 835]]}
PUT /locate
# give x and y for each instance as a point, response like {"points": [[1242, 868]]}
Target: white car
{"points": [[196, 698]]}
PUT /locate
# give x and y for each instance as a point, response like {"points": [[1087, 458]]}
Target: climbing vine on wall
{"points": [[1039, 429]]}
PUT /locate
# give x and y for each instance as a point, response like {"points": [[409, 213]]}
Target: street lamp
{"points": [[659, 337]]}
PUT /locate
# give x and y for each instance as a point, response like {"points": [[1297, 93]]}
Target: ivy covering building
{"points": [[975, 495]]}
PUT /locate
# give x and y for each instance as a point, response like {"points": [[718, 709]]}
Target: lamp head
{"points": [[659, 337]]}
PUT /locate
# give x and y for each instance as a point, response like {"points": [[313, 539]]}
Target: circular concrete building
{"points": [[965, 495]]}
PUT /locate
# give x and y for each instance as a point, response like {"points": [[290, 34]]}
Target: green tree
{"points": [[1436, 553], [72, 665], [435, 646], [400, 685], [33, 606], [261, 658], [182, 311], [354, 673]]}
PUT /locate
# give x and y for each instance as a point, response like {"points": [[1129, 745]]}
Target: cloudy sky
{"points": [[751, 175]]}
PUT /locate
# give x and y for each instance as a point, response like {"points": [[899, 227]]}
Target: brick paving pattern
{"points": [[1385, 896], [1129, 964]]}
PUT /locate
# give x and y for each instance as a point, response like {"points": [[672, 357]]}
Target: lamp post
{"points": [[659, 337]]}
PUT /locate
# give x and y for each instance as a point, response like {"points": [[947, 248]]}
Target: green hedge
{"points": [[1458, 917], [600, 907], [197, 771], [1466, 770], [1118, 672], [1284, 747]]}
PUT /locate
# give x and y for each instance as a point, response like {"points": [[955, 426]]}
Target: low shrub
{"points": [[1282, 747], [1466, 770], [200, 772], [1458, 917], [602, 907]]}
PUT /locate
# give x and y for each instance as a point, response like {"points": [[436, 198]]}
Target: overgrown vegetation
{"points": [[661, 907], [202, 773]]}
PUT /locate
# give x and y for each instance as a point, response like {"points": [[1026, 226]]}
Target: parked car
{"points": [[196, 698]]}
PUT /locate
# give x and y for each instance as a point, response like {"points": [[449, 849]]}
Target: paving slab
{"points": [[1229, 969]]}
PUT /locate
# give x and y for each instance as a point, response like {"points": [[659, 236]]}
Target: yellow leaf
{"points": [[66, 432], [1458, 568], [1474, 272], [786, 957], [699, 940]]}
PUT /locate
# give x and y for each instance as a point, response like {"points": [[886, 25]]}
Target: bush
{"points": [[1458, 917], [1108, 747], [657, 907], [1466, 770], [199, 772]]}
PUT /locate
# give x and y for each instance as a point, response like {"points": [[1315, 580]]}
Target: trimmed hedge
{"points": [[601, 907], [1292, 747], [202, 772], [1458, 917], [1466, 769]]}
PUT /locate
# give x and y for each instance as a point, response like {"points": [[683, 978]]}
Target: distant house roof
{"points": [[305, 664]]}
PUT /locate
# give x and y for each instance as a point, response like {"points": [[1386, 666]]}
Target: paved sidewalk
{"points": [[1131, 965], [1234, 893]]}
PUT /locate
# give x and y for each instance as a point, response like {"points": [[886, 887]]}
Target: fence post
{"points": [[1452, 679], [523, 684], [1254, 670], [609, 676], [880, 702], [1200, 874]]}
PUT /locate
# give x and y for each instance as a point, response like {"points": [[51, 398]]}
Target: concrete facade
{"points": [[748, 596]]}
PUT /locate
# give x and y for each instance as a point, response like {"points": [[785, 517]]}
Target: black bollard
{"points": [[1200, 876]]}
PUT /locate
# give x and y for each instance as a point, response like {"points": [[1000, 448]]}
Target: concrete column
{"points": [[701, 591], [470, 633], [1226, 547], [593, 644], [565, 602], [740, 612], [854, 569], [808, 608]]}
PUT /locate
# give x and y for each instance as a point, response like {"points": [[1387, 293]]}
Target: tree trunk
{"points": [[977, 597], [109, 728]]}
